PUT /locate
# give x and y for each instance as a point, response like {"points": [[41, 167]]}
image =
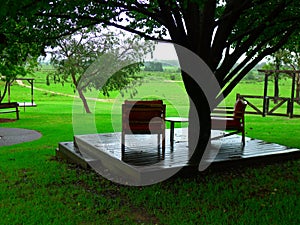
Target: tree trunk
{"points": [[83, 99], [276, 80], [202, 90], [5, 90], [199, 120]]}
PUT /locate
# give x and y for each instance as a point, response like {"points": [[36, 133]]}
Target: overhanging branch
{"points": [[95, 21], [249, 66]]}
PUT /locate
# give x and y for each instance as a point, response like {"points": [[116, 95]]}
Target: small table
{"points": [[172, 121]]}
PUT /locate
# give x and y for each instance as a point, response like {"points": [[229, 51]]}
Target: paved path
{"points": [[62, 94], [12, 136]]}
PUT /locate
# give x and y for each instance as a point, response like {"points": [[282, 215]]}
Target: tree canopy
{"points": [[219, 32]]}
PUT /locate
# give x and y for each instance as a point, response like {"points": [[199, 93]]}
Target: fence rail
{"points": [[265, 108]]}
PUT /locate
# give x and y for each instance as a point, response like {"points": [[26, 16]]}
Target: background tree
{"points": [[153, 66], [287, 58], [74, 54]]}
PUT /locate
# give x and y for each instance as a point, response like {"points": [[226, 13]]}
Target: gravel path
{"points": [[11, 136]]}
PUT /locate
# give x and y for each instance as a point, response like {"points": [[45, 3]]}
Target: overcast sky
{"points": [[164, 51]]}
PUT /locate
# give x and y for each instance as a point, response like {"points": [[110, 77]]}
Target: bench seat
{"points": [[13, 106]]}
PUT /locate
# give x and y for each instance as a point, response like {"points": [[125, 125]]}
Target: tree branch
{"points": [[94, 21], [240, 50], [248, 67], [207, 29], [225, 25]]}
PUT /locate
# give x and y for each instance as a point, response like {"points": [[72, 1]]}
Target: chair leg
{"points": [[123, 145], [243, 137], [17, 112], [158, 145], [163, 145], [158, 141]]}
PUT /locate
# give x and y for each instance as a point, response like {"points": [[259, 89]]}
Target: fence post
{"points": [[288, 109], [266, 106], [265, 95], [292, 96]]}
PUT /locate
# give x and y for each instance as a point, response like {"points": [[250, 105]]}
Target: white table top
{"points": [[177, 119]]}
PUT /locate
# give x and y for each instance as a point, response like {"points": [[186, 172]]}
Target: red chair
{"points": [[144, 117], [234, 123]]}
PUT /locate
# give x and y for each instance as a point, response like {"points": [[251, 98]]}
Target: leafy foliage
{"points": [[288, 57], [98, 59], [16, 59], [220, 32]]}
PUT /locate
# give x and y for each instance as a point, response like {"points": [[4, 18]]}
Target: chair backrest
{"points": [[239, 108], [143, 116]]}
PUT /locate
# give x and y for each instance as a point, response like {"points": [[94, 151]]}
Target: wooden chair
{"points": [[144, 117], [234, 123]]}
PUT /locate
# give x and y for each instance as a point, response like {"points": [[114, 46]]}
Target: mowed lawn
{"points": [[36, 188]]}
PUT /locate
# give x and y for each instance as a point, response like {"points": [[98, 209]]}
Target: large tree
{"points": [[220, 32]]}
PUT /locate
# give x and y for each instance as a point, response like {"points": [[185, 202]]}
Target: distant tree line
{"points": [[153, 66]]}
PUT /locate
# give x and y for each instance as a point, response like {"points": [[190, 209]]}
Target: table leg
{"points": [[172, 132]]}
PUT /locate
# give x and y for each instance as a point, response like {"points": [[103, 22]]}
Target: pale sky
{"points": [[164, 51]]}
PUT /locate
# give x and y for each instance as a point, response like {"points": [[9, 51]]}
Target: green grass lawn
{"points": [[35, 188]]}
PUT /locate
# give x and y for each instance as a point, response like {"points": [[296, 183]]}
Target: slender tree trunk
{"points": [[80, 92], [276, 79], [83, 99], [5, 90]]}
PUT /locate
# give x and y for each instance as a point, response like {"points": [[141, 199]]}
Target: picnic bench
{"points": [[235, 123], [13, 106]]}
